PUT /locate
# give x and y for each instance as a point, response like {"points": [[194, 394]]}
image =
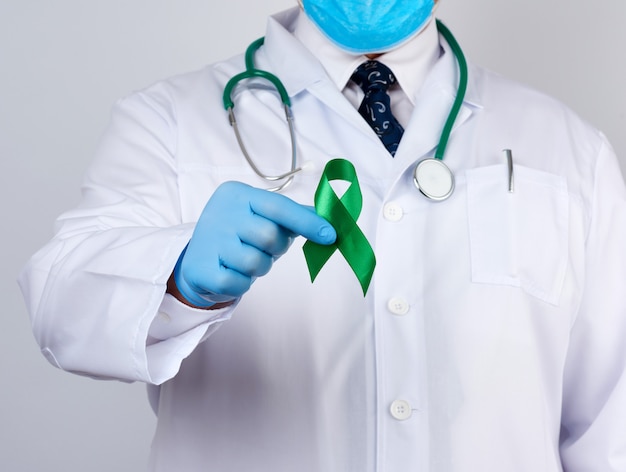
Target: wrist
{"points": [[173, 290], [178, 287]]}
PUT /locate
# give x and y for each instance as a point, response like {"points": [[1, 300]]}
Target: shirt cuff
{"points": [[175, 332]]}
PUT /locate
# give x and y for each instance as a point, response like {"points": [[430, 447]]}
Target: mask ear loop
{"points": [[250, 73]]}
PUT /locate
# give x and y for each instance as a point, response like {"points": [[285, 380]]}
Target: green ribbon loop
{"points": [[342, 213]]}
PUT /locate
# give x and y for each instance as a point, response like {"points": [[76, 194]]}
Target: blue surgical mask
{"points": [[369, 26]]}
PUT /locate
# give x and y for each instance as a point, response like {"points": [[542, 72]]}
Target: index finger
{"points": [[298, 219]]}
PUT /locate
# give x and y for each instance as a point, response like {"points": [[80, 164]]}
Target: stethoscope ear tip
{"points": [[308, 167]]}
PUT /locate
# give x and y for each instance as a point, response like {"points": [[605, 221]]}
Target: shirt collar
{"points": [[410, 62], [301, 67]]}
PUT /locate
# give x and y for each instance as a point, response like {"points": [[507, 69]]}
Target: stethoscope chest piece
{"points": [[433, 179]]}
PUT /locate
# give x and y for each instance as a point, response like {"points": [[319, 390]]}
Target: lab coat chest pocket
{"points": [[519, 238]]}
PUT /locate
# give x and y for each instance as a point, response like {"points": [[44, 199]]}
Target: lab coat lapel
{"points": [[432, 108], [299, 70]]}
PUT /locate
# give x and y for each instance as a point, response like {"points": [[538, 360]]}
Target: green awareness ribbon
{"points": [[342, 213]]}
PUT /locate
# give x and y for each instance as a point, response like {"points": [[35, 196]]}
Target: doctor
{"points": [[493, 334]]}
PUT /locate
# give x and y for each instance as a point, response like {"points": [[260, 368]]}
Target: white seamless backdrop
{"points": [[64, 63]]}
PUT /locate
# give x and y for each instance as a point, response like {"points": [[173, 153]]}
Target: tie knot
{"points": [[373, 75]]}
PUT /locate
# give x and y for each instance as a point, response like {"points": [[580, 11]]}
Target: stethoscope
{"points": [[431, 176]]}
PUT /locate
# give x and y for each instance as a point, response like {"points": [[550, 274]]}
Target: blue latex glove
{"points": [[241, 232]]}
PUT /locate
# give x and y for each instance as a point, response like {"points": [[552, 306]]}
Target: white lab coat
{"points": [[493, 337]]}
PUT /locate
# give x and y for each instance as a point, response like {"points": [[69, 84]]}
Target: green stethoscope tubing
{"points": [[460, 94], [252, 72]]}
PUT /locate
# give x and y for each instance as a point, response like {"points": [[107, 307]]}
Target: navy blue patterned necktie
{"points": [[375, 78]]}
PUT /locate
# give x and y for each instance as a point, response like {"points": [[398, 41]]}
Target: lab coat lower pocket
{"points": [[519, 238]]}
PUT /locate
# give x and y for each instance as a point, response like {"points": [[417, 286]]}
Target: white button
{"points": [[401, 410], [163, 317], [393, 212], [398, 306]]}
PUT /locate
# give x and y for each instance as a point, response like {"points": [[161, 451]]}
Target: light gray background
{"points": [[63, 64]]}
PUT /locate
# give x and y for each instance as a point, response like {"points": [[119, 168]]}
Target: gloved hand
{"points": [[240, 233]]}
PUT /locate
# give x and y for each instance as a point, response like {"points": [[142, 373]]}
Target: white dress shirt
{"points": [[409, 62]]}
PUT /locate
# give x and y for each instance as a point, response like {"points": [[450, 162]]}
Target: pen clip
{"points": [[509, 159]]}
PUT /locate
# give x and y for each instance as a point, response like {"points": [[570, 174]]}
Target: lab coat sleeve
{"points": [[95, 293], [593, 433]]}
